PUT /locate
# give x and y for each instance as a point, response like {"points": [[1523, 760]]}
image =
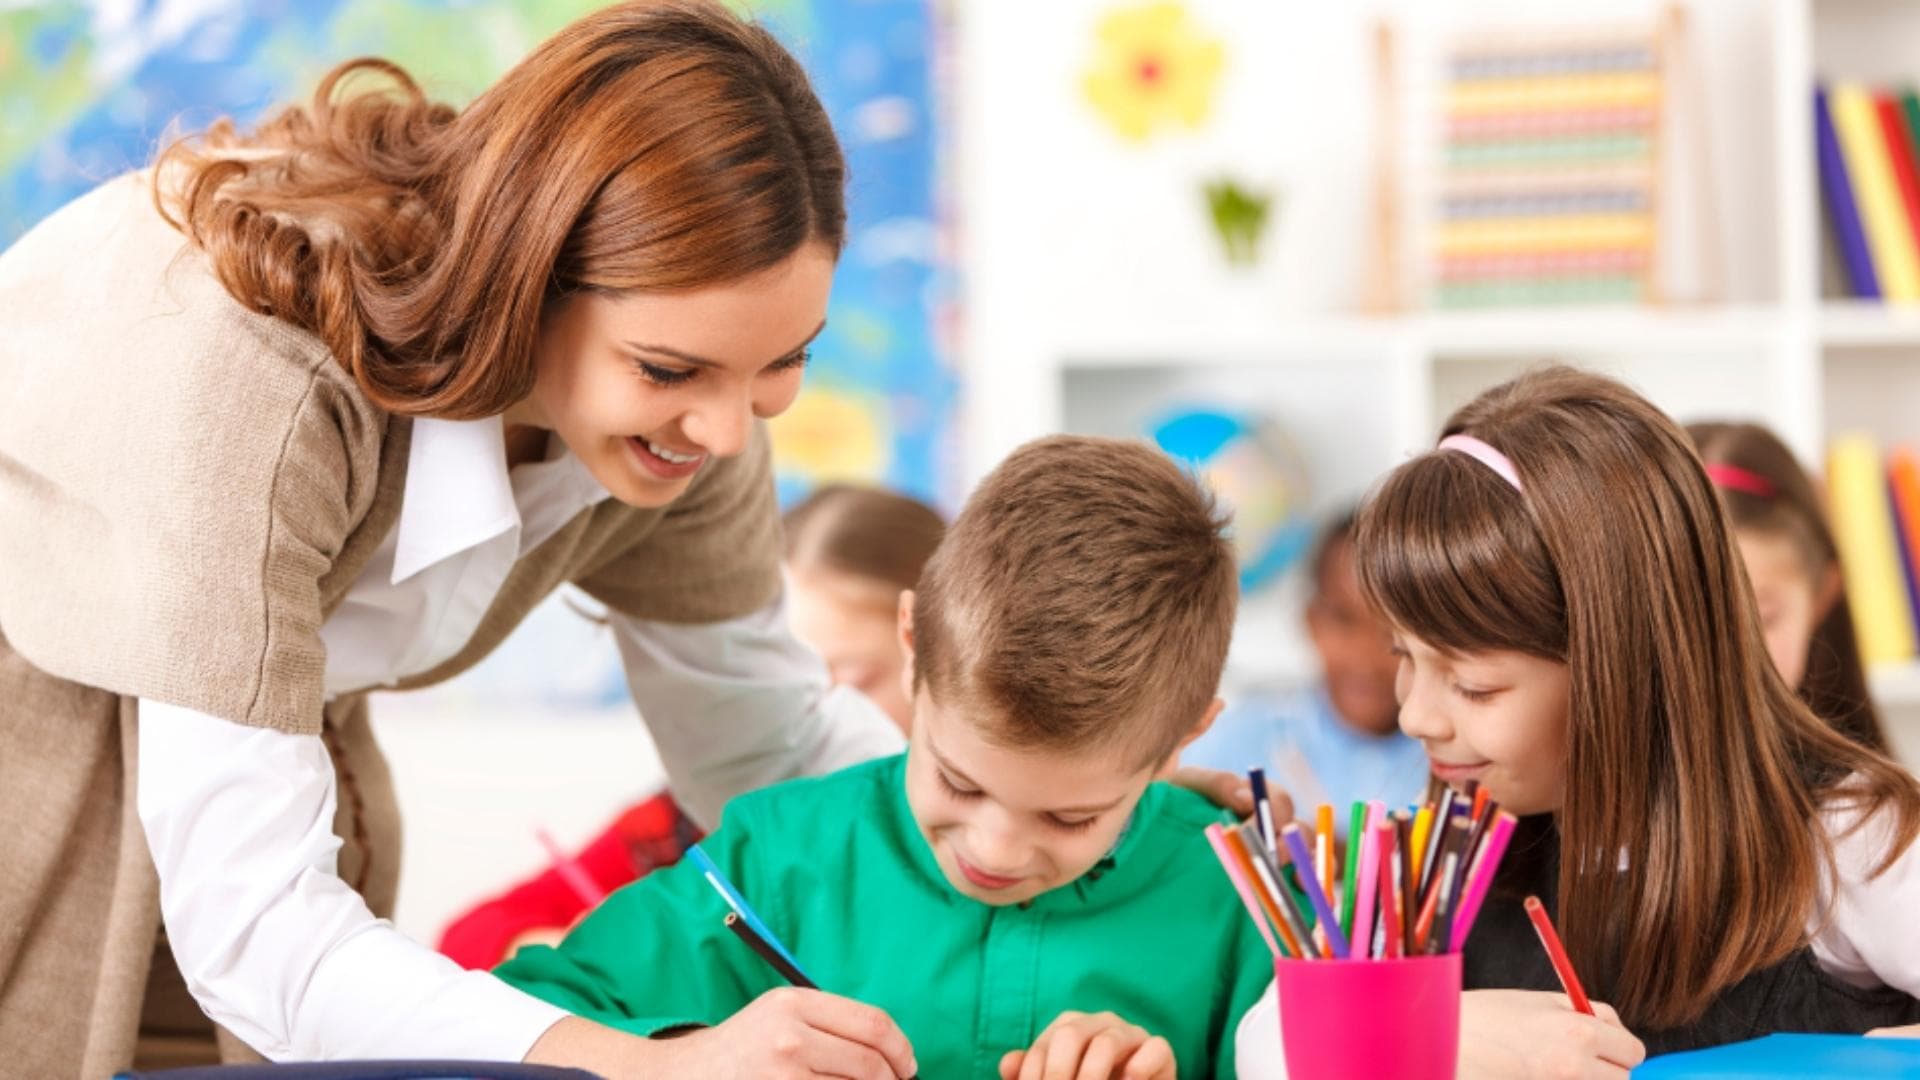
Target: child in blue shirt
{"points": [[1339, 740]]}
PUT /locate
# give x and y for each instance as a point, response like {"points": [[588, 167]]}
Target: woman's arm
{"points": [[272, 943], [736, 705]]}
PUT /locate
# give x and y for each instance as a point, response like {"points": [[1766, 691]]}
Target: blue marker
{"points": [[739, 904]]}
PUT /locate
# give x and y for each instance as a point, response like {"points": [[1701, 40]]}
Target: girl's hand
{"points": [[1526, 1033], [1102, 1046], [784, 1034], [1230, 791], [1911, 1031]]}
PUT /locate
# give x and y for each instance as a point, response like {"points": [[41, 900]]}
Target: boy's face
{"points": [[1007, 825], [1355, 646]]}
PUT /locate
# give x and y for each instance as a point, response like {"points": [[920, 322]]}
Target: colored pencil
{"points": [[1217, 837], [1316, 895], [1364, 851], [1262, 806], [1273, 884], [739, 904], [1356, 831], [772, 956], [1323, 848], [1486, 862], [1557, 953]]}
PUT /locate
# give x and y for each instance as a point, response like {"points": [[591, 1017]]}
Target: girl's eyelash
{"points": [[661, 376], [797, 360], [1473, 695]]}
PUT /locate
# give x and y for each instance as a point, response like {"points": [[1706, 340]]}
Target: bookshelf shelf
{"points": [[1086, 303], [1866, 324]]}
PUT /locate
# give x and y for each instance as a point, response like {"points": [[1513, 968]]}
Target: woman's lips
{"points": [[659, 466]]}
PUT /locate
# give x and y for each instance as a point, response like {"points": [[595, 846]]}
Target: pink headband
{"points": [[1735, 478], [1485, 455]]}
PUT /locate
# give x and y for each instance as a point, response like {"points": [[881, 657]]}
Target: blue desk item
{"points": [[1806, 1057], [366, 1070]]}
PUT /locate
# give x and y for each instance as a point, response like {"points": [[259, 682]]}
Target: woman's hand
{"points": [[1230, 791], [784, 1034], [1527, 1033], [1911, 1031], [1101, 1046]]}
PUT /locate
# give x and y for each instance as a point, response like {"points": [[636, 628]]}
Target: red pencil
{"points": [[1556, 953]]}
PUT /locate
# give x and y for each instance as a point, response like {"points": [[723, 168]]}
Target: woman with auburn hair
{"points": [[1577, 635], [328, 407], [1794, 565]]}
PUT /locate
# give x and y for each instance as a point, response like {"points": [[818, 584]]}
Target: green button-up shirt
{"points": [[840, 873]]}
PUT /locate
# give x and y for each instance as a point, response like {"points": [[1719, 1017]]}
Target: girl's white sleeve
{"points": [[273, 944], [1256, 1043], [1866, 933]]}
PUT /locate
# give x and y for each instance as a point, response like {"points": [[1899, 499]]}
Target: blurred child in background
{"points": [[1339, 740], [850, 552], [1794, 565]]}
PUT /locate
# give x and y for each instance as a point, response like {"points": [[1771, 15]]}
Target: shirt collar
{"points": [[458, 494]]}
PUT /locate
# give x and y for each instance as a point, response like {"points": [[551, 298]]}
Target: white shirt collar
{"points": [[458, 494]]}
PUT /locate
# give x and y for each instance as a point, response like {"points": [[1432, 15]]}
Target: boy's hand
{"points": [[1230, 791], [1529, 1033], [1102, 1046], [791, 1034]]}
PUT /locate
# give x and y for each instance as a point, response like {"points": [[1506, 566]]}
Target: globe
{"points": [[1255, 471]]}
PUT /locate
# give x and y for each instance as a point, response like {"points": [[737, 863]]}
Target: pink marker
{"points": [[1370, 841], [575, 878], [1218, 838], [1486, 863]]}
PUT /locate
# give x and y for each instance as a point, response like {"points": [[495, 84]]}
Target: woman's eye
{"points": [[797, 360], [663, 376]]}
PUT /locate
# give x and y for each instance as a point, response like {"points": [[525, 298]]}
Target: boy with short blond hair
{"points": [[1016, 890]]}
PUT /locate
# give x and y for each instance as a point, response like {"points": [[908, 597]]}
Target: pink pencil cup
{"points": [[1385, 1019]]}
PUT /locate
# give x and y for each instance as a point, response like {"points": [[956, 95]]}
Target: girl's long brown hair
{"points": [[1835, 683], [650, 145], [1691, 847]]}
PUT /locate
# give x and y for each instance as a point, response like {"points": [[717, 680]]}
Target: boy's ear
{"points": [[905, 623], [1200, 727]]}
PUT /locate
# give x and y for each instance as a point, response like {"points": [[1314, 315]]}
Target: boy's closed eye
{"points": [[1062, 822]]}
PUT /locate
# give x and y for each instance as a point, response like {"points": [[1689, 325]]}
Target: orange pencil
{"points": [[1323, 850], [1238, 848], [1557, 953]]}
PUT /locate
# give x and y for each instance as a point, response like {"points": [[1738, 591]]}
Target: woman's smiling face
{"points": [[644, 388]]}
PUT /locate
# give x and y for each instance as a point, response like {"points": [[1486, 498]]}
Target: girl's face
{"points": [[1497, 717], [850, 621], [1791, 600], [645, 388]]}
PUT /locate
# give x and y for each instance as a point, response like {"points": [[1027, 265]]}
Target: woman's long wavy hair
{"points": [[1688, 757], [648, 146], [1835, 682]]}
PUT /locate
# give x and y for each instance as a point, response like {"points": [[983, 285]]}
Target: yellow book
{"points": [[1863, 530], [1889, 234]]}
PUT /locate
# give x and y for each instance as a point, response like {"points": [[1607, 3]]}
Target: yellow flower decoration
{"points": [[831, 434], [1154, 68]]}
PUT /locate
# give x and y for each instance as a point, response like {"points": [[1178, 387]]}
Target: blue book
{"points": [[1807, 1057], [1840, 204]]}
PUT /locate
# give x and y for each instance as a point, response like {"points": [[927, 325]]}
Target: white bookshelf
{"points": [[1094, 295]]}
